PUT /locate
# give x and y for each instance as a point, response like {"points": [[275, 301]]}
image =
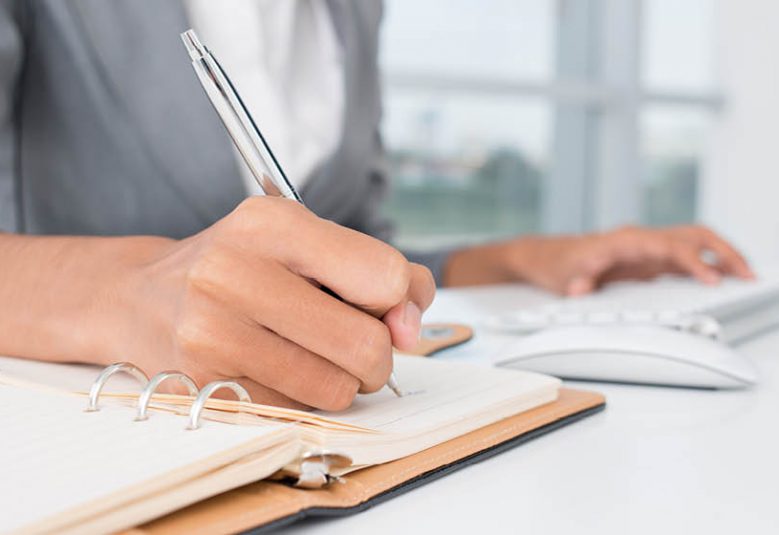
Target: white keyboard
{"points": [[732, 311]]}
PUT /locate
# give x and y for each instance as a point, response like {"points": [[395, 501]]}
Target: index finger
{"points": [[360, 269]]}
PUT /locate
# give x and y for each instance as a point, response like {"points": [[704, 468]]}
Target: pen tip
{"points": [[392, 384]]}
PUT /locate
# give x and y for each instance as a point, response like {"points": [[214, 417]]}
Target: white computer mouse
{"points": [[632, 354]]}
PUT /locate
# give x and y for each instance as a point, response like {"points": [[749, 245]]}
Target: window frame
{"points": [[595, 173]]}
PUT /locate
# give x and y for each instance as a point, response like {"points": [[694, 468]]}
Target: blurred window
{"points": [[678, 60], [468, 157], [504, 117], [672, 145]]}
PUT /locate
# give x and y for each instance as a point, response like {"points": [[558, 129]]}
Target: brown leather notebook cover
{"points": [[266, 505]]}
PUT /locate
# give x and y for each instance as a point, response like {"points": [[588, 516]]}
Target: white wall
{"points": [[740, 193]]}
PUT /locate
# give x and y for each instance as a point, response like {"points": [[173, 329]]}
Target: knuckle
{"points": [[397, 276], [339, 391], [198, 352], [660, 248], [373, 351], [264, 211], [682, 251], [207, 272], [245, 216], [594, 264], [191, 337], [426, 283]]}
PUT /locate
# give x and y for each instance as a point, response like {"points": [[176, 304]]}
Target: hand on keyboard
{"points": [[577, 265]]}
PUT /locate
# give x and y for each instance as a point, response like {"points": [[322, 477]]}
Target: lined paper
{"points": [[55, 456]]}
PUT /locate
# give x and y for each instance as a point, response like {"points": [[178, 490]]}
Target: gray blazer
{"points": [[104, 129]]}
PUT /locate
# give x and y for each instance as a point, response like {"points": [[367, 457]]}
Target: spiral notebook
{"points": [[68, 470]]}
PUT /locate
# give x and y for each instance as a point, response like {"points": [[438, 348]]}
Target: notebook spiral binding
{"points": [[151, 385], [315, 466]]}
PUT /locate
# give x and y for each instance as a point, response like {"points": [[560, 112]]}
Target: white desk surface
{"points": [[657, 460]]}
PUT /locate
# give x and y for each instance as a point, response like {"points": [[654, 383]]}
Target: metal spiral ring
{"points": [[200, 402], [97, 386], [156, 381]]}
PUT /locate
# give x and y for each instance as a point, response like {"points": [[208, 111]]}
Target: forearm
{"points": [[59, 295]]}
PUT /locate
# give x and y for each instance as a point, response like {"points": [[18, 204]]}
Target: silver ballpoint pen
{"points": [[244, 131]]}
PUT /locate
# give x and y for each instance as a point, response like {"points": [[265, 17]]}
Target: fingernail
{"points": [[412, 318]]}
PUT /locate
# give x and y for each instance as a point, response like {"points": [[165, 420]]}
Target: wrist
{"points": [[493, 263], [63, 298], [127, 306]]}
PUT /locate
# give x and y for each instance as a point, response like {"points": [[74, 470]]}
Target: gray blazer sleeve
{"points": [[11, 53]]}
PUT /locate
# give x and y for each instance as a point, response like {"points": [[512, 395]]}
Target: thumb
{"points": [[405, 323]]}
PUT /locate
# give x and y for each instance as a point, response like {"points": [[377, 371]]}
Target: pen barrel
{"points": [[244, 132], [238, 122]]}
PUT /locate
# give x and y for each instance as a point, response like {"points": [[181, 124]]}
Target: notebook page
{"points": [[448, 399], [56, 457], [441, 392]]}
